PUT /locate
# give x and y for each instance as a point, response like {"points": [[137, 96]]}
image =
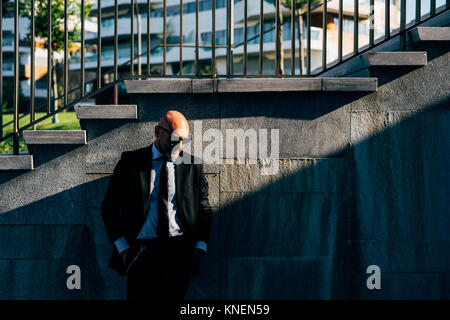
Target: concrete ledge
{"points": [[106, 112], [430, 34], [54, 137], [18, 162], [381, 59], [349, 84], [268, 85], [250, 85], [159, 85]]}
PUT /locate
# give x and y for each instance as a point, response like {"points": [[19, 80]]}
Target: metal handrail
{"points": [[279, 9]]}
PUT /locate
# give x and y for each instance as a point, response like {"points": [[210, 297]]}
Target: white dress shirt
{"points": [[148, 230]]}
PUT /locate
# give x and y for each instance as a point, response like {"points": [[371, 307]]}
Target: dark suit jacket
{"points": [[127, 199]]}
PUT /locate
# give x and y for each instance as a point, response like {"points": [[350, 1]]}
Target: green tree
{"points": [[57, 27], [301, 7]]}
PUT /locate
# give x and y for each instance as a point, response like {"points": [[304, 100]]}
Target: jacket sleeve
{"points": [[113, 202], [204, 211]]}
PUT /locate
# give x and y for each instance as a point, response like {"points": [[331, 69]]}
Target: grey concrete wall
{"points": [[363, 179]]}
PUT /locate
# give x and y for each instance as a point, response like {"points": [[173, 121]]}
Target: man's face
{"points": [[170, 142]]}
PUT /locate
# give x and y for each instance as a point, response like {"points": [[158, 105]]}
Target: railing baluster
{"points": [[372, 23], [213, 67], [245, 36], [230, 26], [83, 11], [308, 40], [418, 10], [340, 18], [132, 37], [356, 26], [292, 37], [16, 79], [197, 67], [324, 35], [277, 48], [49, 58], [99, 44], [403, 25], [181, 37], [261, 36], [1, 72], [387, 19], [116, 44], [164, 37], [66, 54], [32, 78], [148, 38], [432, 7]]}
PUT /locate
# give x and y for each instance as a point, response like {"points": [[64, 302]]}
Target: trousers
{"points": [[160, 269]]}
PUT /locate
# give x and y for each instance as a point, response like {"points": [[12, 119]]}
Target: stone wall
{"points": [[363, 179]]}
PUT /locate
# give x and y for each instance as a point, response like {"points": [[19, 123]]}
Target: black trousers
{"points": [[160, 269]]}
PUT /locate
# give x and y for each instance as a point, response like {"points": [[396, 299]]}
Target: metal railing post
{"points": [[197, 67], [356, 26], [340, 22], [116, 44], [99, 44], [16, 79], [49, 58], [83, 11], [148, 38], [181, 37], [32, 76], [132, 37], [292, 37], [164, 37], [66, 54], [324, 35], [308, 39], [261, 36], [403, 25], [1, 72], [213, 49], [245, 36], [387, 19], [230, 29], [372, 23]]}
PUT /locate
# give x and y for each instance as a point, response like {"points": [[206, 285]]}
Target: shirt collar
{"points": [[155, 152]]}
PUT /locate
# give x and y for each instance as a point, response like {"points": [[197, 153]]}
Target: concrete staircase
{"points": [[370, 62]]}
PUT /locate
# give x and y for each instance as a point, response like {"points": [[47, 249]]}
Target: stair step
{"points": [[118, 112], [250, 85], [381, 59], [16, 162], [54, 137], [430, 34], [349, 84]]}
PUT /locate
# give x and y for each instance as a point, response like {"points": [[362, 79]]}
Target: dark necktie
{"points": [[163, 217]]}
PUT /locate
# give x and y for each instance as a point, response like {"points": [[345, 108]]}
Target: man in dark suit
{"points": [[157, 214]]}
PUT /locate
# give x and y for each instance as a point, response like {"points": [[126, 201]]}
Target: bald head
{"points": [[170, 132], [175, 121]]}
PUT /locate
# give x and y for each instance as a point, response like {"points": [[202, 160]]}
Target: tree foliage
{"points": [[57, 20]]}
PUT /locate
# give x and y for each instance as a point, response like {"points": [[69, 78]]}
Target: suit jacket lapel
{"points": [[145, 175], [179, 188]]}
